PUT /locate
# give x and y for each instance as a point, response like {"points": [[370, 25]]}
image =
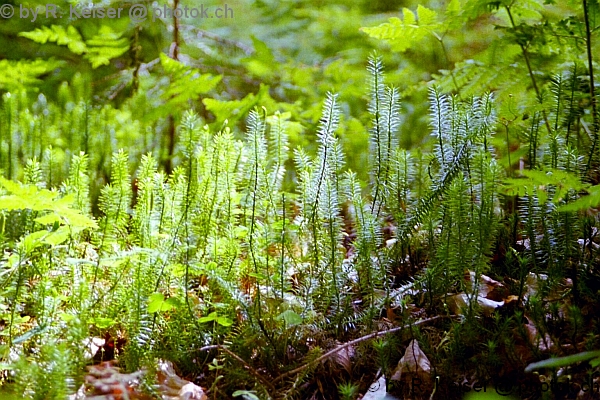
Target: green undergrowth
{"points": [[243, 284]]}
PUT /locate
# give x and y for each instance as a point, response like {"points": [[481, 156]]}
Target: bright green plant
{"points": [[220, 249]]}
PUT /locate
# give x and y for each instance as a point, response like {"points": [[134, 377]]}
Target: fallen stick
{"points": [[244, 363], [353, 342]]}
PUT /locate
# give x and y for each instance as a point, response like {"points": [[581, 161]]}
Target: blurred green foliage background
{"points": [[279, 54], [283, 55]]}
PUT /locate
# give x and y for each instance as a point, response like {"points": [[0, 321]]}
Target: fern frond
{"points": [[78, 182], [484, 119], [379, 114], [115, 201], [329, 157], [278, 149], [257, 158], [441, 123], [144, 216], [377, 86], [190, 133], [384, 144], [33, 173]]}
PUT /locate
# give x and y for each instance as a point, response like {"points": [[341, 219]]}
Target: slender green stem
{"points": [[588, 35], [527, 59]]}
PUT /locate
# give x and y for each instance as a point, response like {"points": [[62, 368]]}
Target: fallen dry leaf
{"points": [[414, 370], [414, 361], [344, 357], [172, 387], [534, 336], [458, 302], [92, 345], [106, 382], [488, 288]]}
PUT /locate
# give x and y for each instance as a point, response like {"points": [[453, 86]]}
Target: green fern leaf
{"points": [[404, 34], [99, 50], [17, 75], [185, 86], [234, 110], [60, 35], [585, 202], [105, 46], [29, 197]]}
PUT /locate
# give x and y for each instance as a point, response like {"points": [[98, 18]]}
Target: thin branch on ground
{"points": [[353, 342], [254, 372]]}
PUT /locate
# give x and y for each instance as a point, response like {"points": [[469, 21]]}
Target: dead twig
{"points": [[244, 363], [270, 384], [351, 343]]}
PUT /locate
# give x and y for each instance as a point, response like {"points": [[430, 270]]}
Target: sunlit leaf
{"points": [[563, 361], [158, 303], [290, 318], [102, 323]]}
